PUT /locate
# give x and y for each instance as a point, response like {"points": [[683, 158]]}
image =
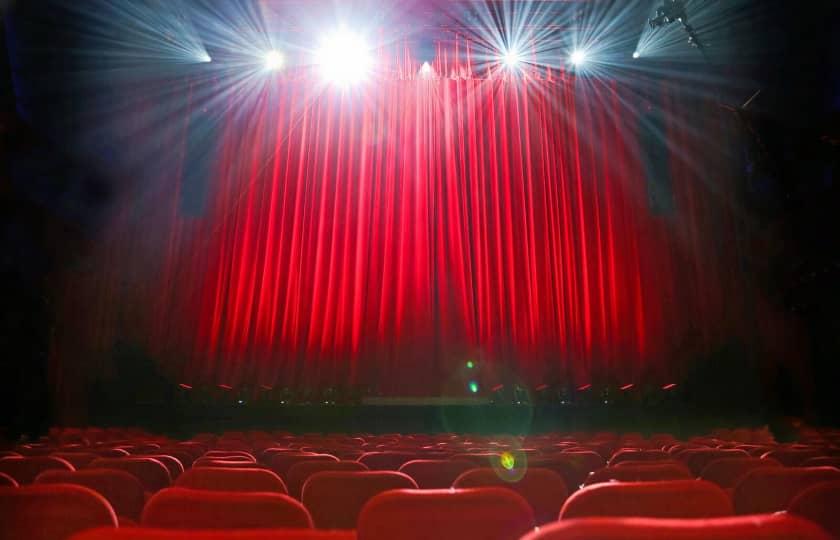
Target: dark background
{"points": [[54, 198]]}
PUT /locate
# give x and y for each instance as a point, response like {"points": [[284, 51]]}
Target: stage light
{"points": [[205, 58], [273, 60], [578, 57], [511, 58], [636, 54], [470, 364], [473, 386], [344, 58], [507, 460], [426, 70]]}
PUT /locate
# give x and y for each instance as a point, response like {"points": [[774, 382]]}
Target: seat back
{"points": [[282, 462], [669, 499], [651, 472], [7, 481], [821, 504], [25, 469], [230, 455], [822, 461], [76, 459], [386, 461], [544, 489], [697, 459], [152, 473], [230, 479], [771, 489], [172, 464], [638, 455], [793, 457], [436, 473], [121, 489], [335, 498], [488, 513], [299, 473], [767, 527], [180, 508], [727, 472], [51, 512], [168, 534]]}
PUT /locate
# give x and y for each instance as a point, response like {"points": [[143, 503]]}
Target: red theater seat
{"points": [[670, 499], [386, 461], [25, 469], [209, 462], [822, 461], [793, 457], [226, 479], [281, 463], [51, 512], [166, 534], [335, 498], [727, 472], [152, 473], [446, 514], [76, 459], [179, 508], [697, 459], [638, 455], [7, 481], [172, 464], [544, 489], [435, 473], [121, 489], [820, 504], [299, 473], [230, 455], [769, 527], [772, 489], [651, 472]]}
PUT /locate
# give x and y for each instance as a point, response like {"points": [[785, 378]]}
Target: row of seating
{"points": [[246, 480]]}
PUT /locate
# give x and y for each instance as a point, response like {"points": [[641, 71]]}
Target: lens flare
{"points": [[508, 461]]}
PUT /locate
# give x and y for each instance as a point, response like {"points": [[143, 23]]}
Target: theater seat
{"points": [[820, 504], [238, 464], [226, 479], [121, 489], [386, 461], [167, 534], [76, 459], [446, 514], [638, 455], [435, 473], [766, 527], [771, 490], [282, 462], [822, 461], [51, 512], [697, 459], [172, 464], [649, 472], [544, 489], [25, 469], [793, 457], [152, 473], [727, 472], [7, 481], [669, 499], [230, 455], [299, 473], [180, 508], [335, 498]]}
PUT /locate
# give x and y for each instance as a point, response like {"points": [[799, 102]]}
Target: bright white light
{"points": [[344, 58], [578, 57], [205, 58], [426, 70], [636, 54], [511, 58], [273, 60]]}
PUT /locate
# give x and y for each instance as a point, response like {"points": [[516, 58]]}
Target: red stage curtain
{"points": [[388, 234]]}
